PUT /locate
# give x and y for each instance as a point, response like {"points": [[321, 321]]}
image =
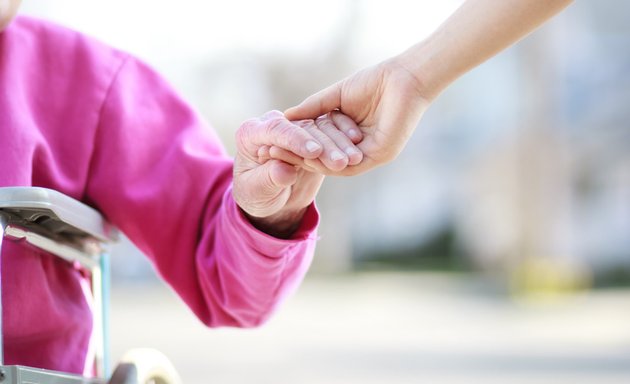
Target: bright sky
{"points": [[180, 39], [166, 30]]}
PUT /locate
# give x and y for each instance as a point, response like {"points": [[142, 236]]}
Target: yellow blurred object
{"points": [[548, 279]]}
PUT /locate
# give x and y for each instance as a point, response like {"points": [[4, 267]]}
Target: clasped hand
{"points": [[273, 185]]}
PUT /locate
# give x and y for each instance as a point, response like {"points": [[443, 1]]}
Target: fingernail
{"points": [[336, 155], [354, 133], [312, 146], [352, 151]]}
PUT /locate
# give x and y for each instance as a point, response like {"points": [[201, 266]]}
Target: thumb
{"points": [[265, 188], [316, 105]]}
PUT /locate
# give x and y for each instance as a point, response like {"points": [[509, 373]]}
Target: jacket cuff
{"points": [[263, 242]]}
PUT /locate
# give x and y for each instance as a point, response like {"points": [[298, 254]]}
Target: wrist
{"points": [[421, 62], [282, 224]]}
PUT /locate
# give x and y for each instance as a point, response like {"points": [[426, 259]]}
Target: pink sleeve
{"points": [[161, 175]]}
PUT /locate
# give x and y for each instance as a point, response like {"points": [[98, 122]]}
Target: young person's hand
{"points": [[385, 101]]}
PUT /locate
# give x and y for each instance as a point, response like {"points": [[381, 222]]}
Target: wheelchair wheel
{"points": [[144, 366]]}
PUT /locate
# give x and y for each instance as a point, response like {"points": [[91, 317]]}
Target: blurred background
{"points": [[496, 248]]}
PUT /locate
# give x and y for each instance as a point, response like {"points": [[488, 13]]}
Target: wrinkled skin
{"points": [[269, 187]]}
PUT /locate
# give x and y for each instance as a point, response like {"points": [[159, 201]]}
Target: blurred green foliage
{"points": [[439, 253]]}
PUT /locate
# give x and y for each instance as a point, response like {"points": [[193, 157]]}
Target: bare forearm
{"points": [[478, 30]]}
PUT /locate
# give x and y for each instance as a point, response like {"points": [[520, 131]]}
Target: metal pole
{"points": [[100, 291], [97, 323], [3, 224], [105, 302]]}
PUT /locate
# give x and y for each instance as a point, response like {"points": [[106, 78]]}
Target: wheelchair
{"points": [[75, 232]]}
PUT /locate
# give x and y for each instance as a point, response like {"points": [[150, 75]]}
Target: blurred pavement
{"points": [[390, 328]]}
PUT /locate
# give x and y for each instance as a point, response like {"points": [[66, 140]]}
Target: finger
{"points": [[278, 131], [333, 157], [327, 126], [265, 188], [286, 156], [314, 165], [271, 176], [347, 126], [273, 114], [263, 154], [321, 170], [282, 174], [318, 104]]}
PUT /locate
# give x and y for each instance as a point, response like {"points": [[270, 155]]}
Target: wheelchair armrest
{"points": [[53, 212]]}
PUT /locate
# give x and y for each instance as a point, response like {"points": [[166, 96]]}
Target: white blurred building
{"points": [[527, 155]]}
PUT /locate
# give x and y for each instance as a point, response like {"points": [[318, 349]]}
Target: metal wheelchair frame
{"points": [[75, 232]]}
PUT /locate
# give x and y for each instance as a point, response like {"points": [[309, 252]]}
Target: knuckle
{"points": [[273, 125], [306, 123], [273, 114], [275, 130], [286, 135], [278, 128], [327, 126], [323, 121], [295, 139], [242, 134]]}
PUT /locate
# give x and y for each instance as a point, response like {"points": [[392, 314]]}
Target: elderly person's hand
{"points": [[274, 194]]}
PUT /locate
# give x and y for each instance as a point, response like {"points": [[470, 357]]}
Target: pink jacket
{"points": [[102, 127]]}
